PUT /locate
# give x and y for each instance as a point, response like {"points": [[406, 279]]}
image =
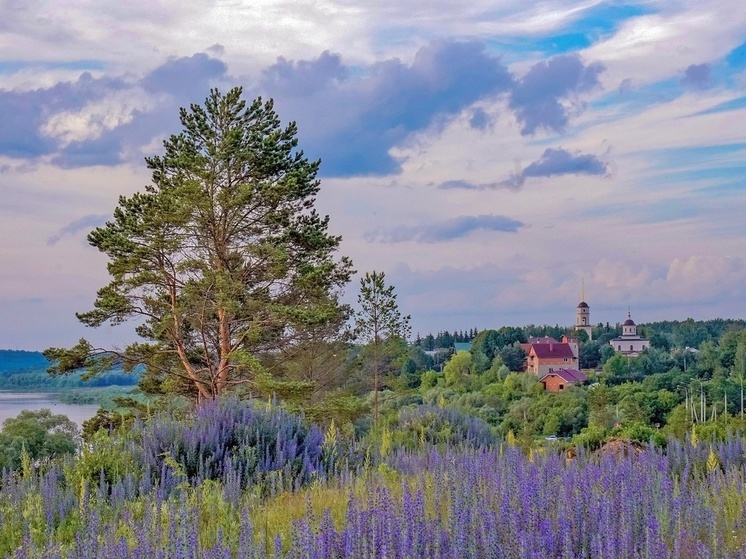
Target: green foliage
{"points": [[428, 379], [378, 318], [122, 413], [106, 397], [591, 437], [426, 425], [38, 435], [620, 369], [80, 356], [457, 371], [104, 455], [504, 343], [601, 407], [724, 427], [589, 353], [340, 408], [513, 357], [40, 380], [498, 371], [641, 433], [661, 341], [563, 414], [678, 422]]}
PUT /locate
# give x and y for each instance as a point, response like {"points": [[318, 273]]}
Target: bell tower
{"points": [[583, 314]]}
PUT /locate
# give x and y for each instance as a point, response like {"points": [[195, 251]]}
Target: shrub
{"points": [[642, 434], [103, 458]]}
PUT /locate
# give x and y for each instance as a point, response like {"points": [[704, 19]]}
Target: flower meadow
{"points": [[238, 480]]}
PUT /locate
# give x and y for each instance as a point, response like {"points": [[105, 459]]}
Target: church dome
{"points": [[583, 305], [629, 321]]}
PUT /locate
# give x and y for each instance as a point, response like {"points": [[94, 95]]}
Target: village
{"points": [[555, 363]]}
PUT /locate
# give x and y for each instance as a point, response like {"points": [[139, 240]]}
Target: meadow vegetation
{"points": [[249, 480]]}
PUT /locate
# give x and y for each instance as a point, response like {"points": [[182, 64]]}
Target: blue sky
{"points": [[487, 156]]}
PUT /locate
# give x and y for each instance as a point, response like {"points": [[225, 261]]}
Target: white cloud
{"points": [[618, 274], [654, 47], [701, 275], [90, 122]]}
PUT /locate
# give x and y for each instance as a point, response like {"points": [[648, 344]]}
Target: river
{"points": [[12, 403]]}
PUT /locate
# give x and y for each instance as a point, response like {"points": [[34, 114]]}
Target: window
{"points": [[565, 359], [631, 347], [620, 348], [561, 386]]}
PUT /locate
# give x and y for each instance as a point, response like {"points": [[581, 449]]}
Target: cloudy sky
{"points": [[488, 156]]}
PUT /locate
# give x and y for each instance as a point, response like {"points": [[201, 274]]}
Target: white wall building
{"points": [[629, 343]]}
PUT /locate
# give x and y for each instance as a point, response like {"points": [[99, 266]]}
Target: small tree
{"points": [[378, 321], [39, 434], [457, 371], [223, 259]]}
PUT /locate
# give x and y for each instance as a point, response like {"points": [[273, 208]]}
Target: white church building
{"points": [[629, 343]]}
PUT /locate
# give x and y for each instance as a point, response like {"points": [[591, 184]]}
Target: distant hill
{"points": [[27, 370], [15, 360]]}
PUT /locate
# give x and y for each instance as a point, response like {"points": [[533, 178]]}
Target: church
{"points": [[629, 343]]}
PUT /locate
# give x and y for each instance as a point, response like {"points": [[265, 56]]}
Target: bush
{"points": [[641, 434], [103, 458], [592, 437]]}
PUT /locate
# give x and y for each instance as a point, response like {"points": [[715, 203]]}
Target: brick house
{"points": [[559, 379], [546, 357]]}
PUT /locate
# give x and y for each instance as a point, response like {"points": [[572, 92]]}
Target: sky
{"points": [[489, 156]]}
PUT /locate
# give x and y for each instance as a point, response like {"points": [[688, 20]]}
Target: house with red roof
{"points": [[543, 358], [559, 379]]}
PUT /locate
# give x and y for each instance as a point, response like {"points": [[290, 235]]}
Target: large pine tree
{"points": [[222, 260]]}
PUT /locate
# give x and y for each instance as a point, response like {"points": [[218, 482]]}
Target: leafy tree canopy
{"points": [[39, 434]]}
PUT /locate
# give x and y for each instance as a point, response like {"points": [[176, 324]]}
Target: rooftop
{"points": [[547, 351], [568, 375]]}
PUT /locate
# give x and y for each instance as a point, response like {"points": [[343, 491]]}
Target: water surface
{"points": [[13, 403]]}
